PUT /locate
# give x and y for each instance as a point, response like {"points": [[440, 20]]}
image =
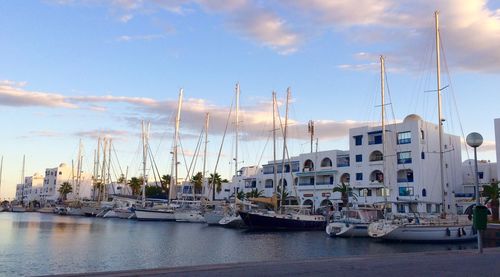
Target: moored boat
{"points": [[353, 223], [290, 221]]}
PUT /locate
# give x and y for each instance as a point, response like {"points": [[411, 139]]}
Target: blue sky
{"points": [[74, 69]]}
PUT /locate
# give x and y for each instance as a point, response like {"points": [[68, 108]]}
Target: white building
{"points": [[54, 178], [31, 188], [409, 178]]}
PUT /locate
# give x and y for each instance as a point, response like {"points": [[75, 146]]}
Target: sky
{"points": [[74, 70]]}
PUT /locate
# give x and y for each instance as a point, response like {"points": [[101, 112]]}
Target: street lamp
{"points": [[475, 140]]}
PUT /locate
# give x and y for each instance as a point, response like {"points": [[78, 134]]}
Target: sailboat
{"points": [[227, 215], [442, 228], [355, 222], [161, 212], [286, 218]]}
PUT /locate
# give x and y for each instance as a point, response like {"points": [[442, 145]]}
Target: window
{"points": [[326, 162], [405, 191], [359, 176], [375, 138], [404, 157], [358, 140], [424, 192], [60, 172], [359, 158], [376, 156], [422, 134], [404, 137], [268, 183], [480, 175], [401, 208], [422, 155], [343, 160]]}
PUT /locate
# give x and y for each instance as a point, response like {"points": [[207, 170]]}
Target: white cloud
{"points": [[127, 38], [11, 94]]}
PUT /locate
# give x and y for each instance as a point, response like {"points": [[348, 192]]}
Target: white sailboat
{"points": [[443, 228], [161, 212], [355, 222]]}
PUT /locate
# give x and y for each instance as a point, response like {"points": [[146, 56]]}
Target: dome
{"points": [[412, 117]]}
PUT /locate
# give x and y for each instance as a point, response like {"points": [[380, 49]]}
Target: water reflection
{"points": [[35, 244]]}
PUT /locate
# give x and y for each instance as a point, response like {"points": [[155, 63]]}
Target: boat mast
{"points": [[22, 179], [384, 144], [144, 162], [109, 164], [288, 95], [440, 119], [173, 186], [275, 165], [97, 177], [237, 128], [207, 119], [78, 170]]}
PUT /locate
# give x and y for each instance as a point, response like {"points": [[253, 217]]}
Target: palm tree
{"points": [[282, 195], [197, 181], [135, 184], [254, 193], [165, 182], [345, 192], [64, 189], [218, 181], [240, 195], [491, 192]]}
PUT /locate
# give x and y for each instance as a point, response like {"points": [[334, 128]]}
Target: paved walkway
{"points": [[445, 263]]}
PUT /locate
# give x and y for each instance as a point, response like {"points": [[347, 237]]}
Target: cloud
{"points": [[126, 38], [41, 133], [12, 94], [103, 133]]}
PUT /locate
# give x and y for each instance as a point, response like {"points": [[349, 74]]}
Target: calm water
{"points": [[34, 244]]}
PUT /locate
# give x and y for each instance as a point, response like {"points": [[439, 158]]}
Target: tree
{"points": [[218, 181], [197, 181], [121, 179], [491, 192], [165, 182], [155, 192], [345, 192], [282, 195], [64, 189], [240, 195], [135, 184], [255, 193]]}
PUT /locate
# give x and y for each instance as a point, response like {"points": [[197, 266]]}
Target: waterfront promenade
{"points": [[439, 263]]}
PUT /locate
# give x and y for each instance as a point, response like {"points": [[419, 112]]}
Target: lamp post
{"points": [[475, 140]]}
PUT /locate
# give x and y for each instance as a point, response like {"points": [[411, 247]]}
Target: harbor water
{"points": [[39, 244]]}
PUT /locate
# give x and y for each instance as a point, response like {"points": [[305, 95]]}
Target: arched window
{"points": [[283, 183], [326, 162], [377, 176], [376, 156], [424, 192], [326, 203], [345, 178], [308, 165], [308, 202]]}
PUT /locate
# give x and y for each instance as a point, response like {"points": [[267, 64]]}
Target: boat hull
{"points": [[189, 216], [342, 229], [213, 218], [257, 221], [234, 222], [154, 215], [417, 233]]}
